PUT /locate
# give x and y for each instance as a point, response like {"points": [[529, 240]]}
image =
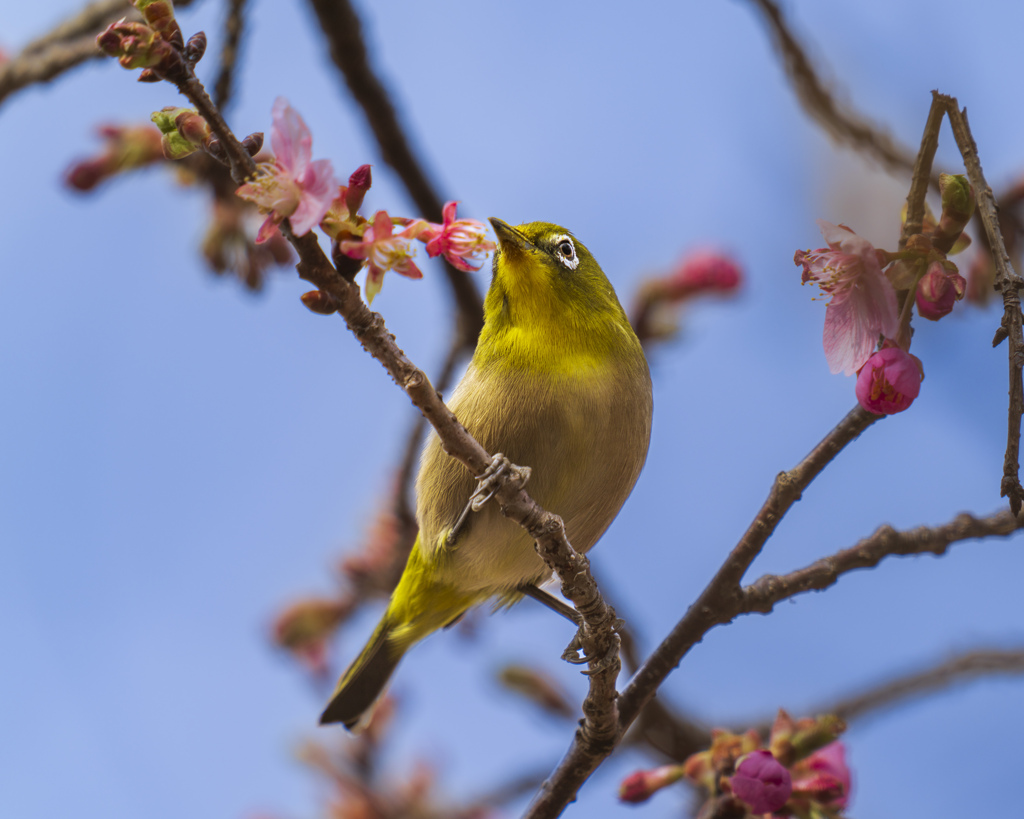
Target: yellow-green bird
{"points": [[558, 383]]}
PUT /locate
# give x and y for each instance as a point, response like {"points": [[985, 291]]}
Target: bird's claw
{"points": [[487, 485], [575, 654]]}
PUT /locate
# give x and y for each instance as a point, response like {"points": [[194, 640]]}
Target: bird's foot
{"points": [[575, 654], [487, 485]]}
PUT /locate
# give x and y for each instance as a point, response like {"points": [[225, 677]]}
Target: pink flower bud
{"points": [[358, 184], [825, 776], [640, 786], [762, 782], [889, 381], [938, 291], [701, 272]]}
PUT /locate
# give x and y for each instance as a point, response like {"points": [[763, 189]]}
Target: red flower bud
{"points": [[889, 381], [358, 184], [938, 291], [642, 785]]}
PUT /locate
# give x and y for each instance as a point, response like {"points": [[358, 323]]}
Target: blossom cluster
{"points": [[292, 186], [867, 329], [801, 772]]}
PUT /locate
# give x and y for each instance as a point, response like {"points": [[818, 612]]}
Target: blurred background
{"points": [[181, 458]]}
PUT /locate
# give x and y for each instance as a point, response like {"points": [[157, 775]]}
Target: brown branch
{"points": [[922, 173], [224, 84], [341, 26], [70, 43], [410, 458], [764, 593], [718, 604], [1009, 283], [42, 66], [90, 20], [841, 123], [670, 732], [962, 668]]}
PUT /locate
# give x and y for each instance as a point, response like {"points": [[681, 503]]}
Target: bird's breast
{"points": [[583, 431]]}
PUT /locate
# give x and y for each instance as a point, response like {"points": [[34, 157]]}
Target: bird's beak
{"points": [[514, 245]]}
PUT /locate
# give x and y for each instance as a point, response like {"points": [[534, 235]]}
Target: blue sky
{"points": [[180, 458]]}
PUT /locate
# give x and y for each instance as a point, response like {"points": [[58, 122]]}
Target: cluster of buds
{"points": [[292, 186], [655, 311], [228, 244], [864, 284], [802, 772], [182, 131], [155, 45], [305, 628], [125, 147], [359, 786]]}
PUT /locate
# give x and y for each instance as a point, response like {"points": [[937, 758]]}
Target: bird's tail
{"points": [[363, 683], [421, 604]]}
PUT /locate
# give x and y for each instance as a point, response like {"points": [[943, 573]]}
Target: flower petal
{"points": [[290, 138]]}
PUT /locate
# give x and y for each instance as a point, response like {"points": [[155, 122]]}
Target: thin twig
{"points": [[341, 26], [44, 65], [922, 174], [224, 84], [718, 604], [962, 668], [90, 20], [70, 43], [956, 670], [843, 124], [410, 458], [764, 593], [1009, 283]]}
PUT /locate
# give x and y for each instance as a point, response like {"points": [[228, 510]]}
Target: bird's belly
{"points": [[585, 448]]}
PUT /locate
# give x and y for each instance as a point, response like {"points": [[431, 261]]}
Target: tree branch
{"points": [[960, 669], [1009, 283], [44, 65], [341, 26], [70, 43], [224, 84], [922, 173], [845, 126], [718, 604], [763, 594]]}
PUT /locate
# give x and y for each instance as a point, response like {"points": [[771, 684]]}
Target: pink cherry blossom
{"points": [[290, 186], [462, 241], [762, 782], [863, 302], [938, 291], [385, 250], [826, 774], [889, 381]]}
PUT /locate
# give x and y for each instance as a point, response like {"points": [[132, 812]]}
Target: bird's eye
{"points": [[565, 250]]}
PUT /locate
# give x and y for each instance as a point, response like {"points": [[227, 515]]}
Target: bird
{"points": [[558, 383]]}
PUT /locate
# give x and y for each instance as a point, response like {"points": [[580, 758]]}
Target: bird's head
{"points": [[542, 273]]}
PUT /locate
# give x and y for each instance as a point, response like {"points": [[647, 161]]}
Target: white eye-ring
{"points": [[565, 251]]}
